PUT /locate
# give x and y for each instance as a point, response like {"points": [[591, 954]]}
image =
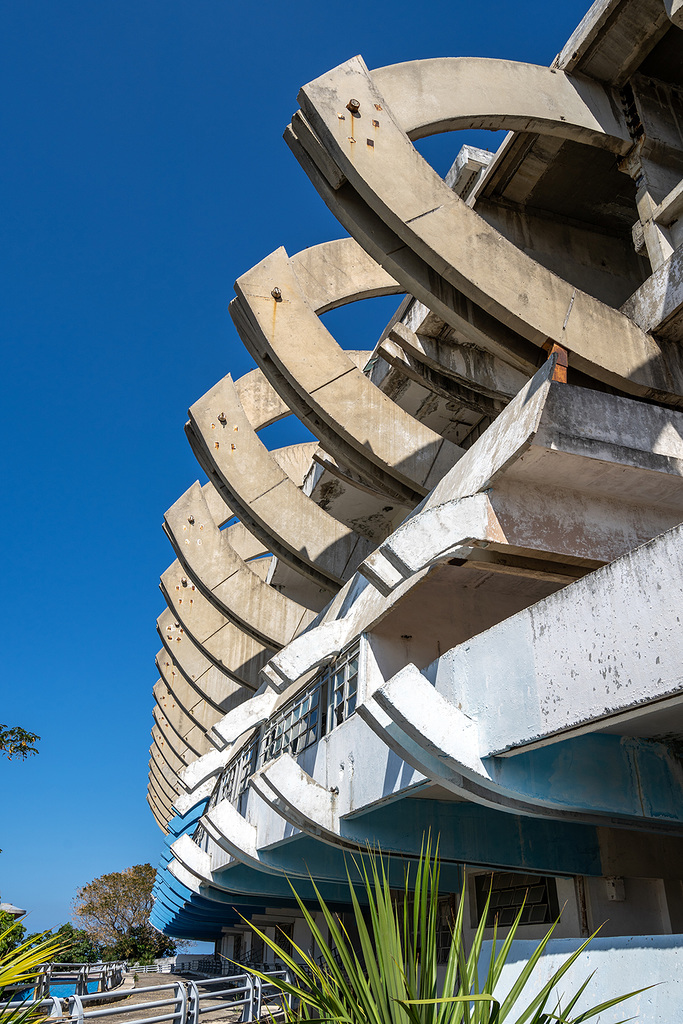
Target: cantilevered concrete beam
{"points": [[549, 495], [287, 521], [224, 643], [180, 722], [606, 653], [321, 378], [596, 779], [225, 579], [473, 262], [217, 683]]}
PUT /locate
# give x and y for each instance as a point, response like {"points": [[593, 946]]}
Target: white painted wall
{"points": [[621, 964]]}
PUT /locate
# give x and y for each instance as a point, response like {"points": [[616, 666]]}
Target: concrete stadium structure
{"points": [[459, 609]]}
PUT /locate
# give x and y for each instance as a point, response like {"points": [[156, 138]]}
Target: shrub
{"points": [[394, 977]]}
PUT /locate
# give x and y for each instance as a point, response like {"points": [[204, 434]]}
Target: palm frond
{"points": [[395, 976]]}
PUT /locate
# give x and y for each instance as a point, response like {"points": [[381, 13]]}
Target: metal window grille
{"points": [[296, 726], [508, 893], [342, 687], [246, 765], [327, 701], [226, 787]]}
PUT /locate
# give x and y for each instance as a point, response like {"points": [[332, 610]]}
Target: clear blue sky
{"points": [[143, 171]]}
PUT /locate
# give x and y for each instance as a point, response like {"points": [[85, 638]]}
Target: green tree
{"points": [[12, 933], [114, 910], [17, 742], [79, 946], [113, 904], [143, 944]]}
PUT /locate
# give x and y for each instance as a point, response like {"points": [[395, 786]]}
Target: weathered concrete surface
{"points": [[180, 722], [213, 686], [466, 252], [201, 708], [658, 304], [171, 737], [227, 581], [597, 779], [604, 651], [613, 37], [570, 474], [207, 677], [224, 643], [324, 378], [462, 364], [443, 94], [291, 525], [160, 750]]}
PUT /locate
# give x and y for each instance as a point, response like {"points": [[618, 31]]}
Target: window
{"points": [[200, 837], [295, 727], [246, 765], [509, 891], [342, 687], [327, 701]]}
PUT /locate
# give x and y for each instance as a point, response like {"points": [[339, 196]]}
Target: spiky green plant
{"points": [[394, 977], [19, 967]]}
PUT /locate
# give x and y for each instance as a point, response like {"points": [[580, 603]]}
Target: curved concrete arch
{"points": [[468, 260], [165, 804], [171, 735], [323, 384], [161, 770], [161, 815], [197, 861], [195, 707], [268, 502], [444, 94], [210, 681], [164, 752], [213, 688], [172, 775], [444, 741], [157, 814], [161, 751], [182, 724], [224, 643], [225, 579], [245, 544], [161, 783], [262, 403], [237, 836]]}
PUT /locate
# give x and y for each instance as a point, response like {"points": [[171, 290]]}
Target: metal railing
{"points": [[186, 1006], [107, 975], [51, 1006], [245, 990], [176, 1003], [177, 998], [168, 968]]}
